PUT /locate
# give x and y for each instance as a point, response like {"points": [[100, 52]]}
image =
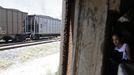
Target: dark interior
{"points": [[125, 27]]}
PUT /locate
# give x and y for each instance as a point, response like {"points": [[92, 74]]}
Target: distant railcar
{"points": [[12, 24], [40, 26]]}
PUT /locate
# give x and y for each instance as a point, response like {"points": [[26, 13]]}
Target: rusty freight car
{"points": [[12, 24]]}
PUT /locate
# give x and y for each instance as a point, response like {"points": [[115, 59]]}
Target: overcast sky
{"points": [[51, 8]]}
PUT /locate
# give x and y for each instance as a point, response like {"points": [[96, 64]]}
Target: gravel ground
{"points": [[25, 60]]}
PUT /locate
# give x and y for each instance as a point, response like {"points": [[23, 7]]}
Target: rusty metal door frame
{"points": [[65, 38]]}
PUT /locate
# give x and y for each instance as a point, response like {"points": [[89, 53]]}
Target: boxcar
{"points": [[40, 26], [12, 24]]}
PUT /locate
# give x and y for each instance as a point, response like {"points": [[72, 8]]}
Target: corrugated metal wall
{"points": [[12, 21], [45, 25], [3, 19], [20, 22], [23, 22], [15, 20]]}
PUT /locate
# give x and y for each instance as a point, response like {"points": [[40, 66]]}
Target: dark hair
{"points": [[119, 35]]}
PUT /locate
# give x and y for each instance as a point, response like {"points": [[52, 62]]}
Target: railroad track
{"points": [[14, 43], [20, 44]]}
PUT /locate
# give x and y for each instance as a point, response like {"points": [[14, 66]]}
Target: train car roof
{"points": [[13, 9], [44, 16]]}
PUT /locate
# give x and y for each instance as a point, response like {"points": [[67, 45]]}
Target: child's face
{"points": [[116, 40]]}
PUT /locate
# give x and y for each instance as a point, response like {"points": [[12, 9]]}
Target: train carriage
{"points": [[40, 26], [16, 25], [12, 24]]}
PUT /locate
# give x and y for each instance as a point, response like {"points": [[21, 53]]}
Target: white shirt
{"points": [[123, 50]]}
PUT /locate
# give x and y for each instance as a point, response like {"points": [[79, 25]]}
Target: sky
{"points": [[51, 8]]}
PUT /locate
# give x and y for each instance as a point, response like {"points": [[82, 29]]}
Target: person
{"points": [[124, 49], [121, 47]]}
